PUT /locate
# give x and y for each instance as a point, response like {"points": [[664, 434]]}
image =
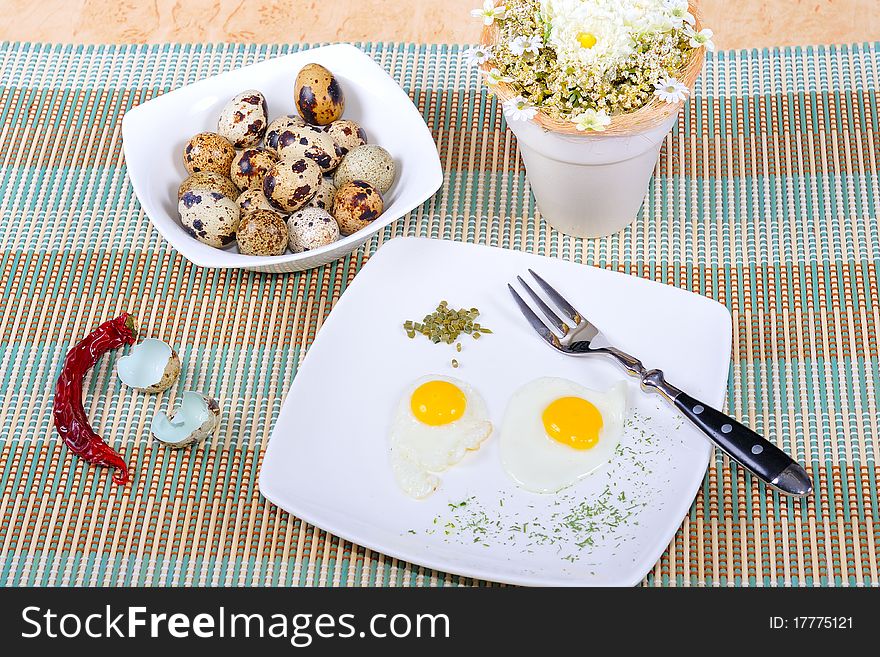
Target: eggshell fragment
{"points": [[151, 366], [195, 419]]}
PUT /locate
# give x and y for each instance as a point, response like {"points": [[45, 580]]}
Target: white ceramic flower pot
{"points": [[592, 185]]}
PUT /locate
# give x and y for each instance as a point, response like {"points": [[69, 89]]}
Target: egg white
{"points": [[419, 451], [540, 464]]}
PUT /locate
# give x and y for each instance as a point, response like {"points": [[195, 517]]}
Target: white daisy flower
{"points": [[702, 38], [489, 12], [519, 109], [591, 120], [518, 45], [534, 45], [494, 77], [477, 55], [670, 90], [679, 12]]}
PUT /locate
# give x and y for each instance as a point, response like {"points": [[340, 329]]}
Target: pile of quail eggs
{"points": [[296, 183]]}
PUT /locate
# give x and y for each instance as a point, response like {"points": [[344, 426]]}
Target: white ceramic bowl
{"points": [[154, 134]]}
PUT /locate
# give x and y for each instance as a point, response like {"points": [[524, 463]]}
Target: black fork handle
{"points": [[748, 448]]}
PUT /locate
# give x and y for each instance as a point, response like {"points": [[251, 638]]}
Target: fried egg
{"points": [[437, 421], [556, 432]]}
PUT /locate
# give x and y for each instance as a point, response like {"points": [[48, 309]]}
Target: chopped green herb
{"points": [[445, 324]]}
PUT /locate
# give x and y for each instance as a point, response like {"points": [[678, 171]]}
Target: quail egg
{"points": [[370, 163], [346, 134], [279, 125], [323, 198], [249, 167], [290, 184], [318, 96], [208, 180], [262, 233], [356, 205], [209, 216], [308, 141], [254, 199], [310, 228], [243, 120], [208, 151]]}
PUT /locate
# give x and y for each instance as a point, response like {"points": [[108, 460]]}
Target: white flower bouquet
{"points": [[590, 65], [590, 88]]}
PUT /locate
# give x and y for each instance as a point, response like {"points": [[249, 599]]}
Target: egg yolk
{"points": [[586, 40], [438, 402], [573, 421]]}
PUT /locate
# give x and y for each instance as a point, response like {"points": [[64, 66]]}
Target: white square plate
{"points": [[327, 461], [154, 134]]}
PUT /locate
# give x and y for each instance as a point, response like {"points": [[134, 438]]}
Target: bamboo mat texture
{"points": [[765, 198]]}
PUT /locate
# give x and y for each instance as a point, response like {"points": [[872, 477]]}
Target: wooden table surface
{"points": [[738, 23]]}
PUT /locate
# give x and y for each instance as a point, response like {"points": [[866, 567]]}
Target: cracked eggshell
{"points": [[290, 184], [278, 126], [151, 366], [370, 163], [311, 142], [356, 205], [323, 198], [346, 134], [319, 98], [209, 217], [311, 228], [195, 419], [249, 167], [244, 118], [262, 233], [208, 180], [208, 151]]}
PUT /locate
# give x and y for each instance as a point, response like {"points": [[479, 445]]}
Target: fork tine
{"points": [[558, 299], [561, 326], [533, 319]]}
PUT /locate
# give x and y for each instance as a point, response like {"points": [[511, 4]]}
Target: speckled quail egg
{"points": [[249, 167], [262, 233], [208, 151], [346, 134], [290, 184], [279, 125], [243, 121], [311, 142], [209, 216], [208, 180], [323, 198], [356, 205], [310, 228], [254, 199], [370, 163], [319, 97]]}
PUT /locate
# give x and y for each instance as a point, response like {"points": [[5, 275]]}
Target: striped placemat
{"points": [[765, 199]]}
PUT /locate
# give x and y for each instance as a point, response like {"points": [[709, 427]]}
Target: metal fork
{"points": [[759, 455]]}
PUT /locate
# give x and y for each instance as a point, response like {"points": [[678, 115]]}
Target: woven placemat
{"points": [[765, 199]]}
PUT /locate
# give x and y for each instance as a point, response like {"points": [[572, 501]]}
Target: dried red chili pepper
{"points": [[70, 417]]}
